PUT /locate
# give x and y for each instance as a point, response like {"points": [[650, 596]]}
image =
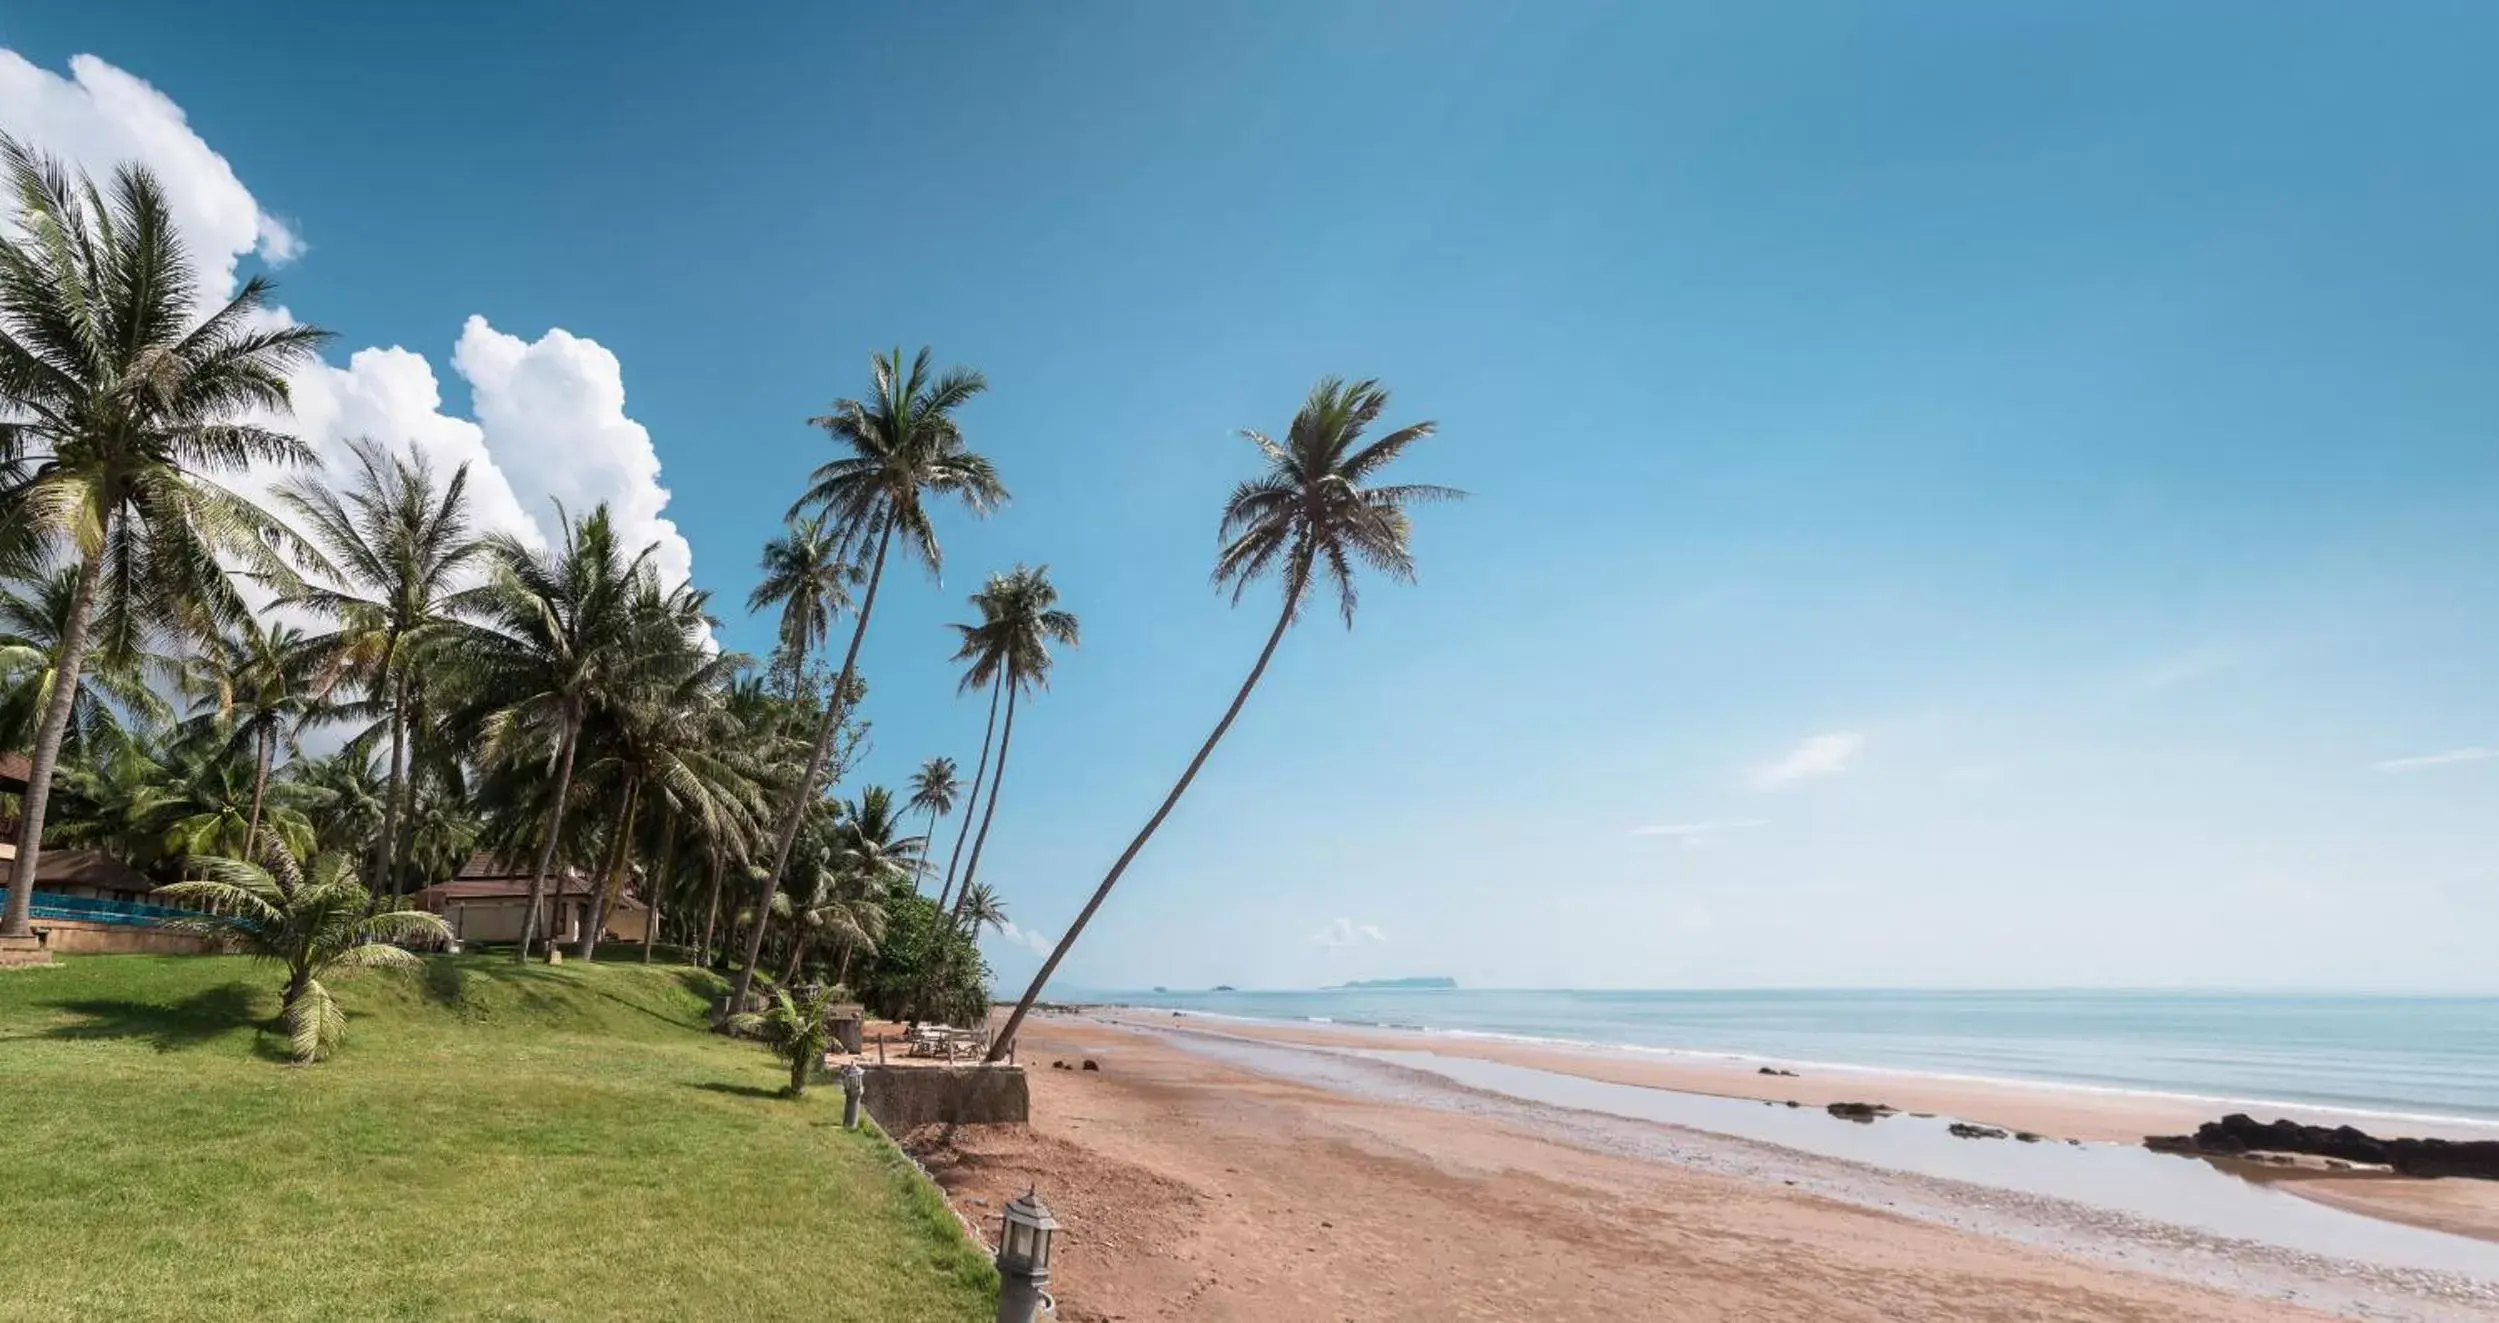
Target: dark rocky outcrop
{"points": [[1864, 1112], [1091, 1064], [1964, 1130], [1772, 1070], [2238, 1135]]}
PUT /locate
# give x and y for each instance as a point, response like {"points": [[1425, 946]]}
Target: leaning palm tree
{"points": [[804, 575], [401, 546], [933, 789], [312, 925], [980, 778], [1009, 650], [904, 449], [794, 1027], [1307, 519], [34, 614], [124, 403], [552, 632]]}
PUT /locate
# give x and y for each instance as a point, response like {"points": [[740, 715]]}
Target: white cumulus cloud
{"points": [[1822, 755], [1346, 932], [1039, 942], [1698, 833], [2450, 758], [550, 421]]}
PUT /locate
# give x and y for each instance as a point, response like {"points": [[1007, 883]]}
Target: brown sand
{"points": [[2462, 1207], [1191, 1190]]}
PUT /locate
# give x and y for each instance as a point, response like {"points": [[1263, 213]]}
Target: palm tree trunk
{"points": [[666, 861], [928, 850], [387, 870], [842, 975], [979, 771], [1005, 1041], [835, 710], [799, 942], [48, 737], [260, 790], [711, 918], [618, 856], [1006, 737], [546, 848]]}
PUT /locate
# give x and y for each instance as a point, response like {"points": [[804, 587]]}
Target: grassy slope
{"points": [[490, 1142]]}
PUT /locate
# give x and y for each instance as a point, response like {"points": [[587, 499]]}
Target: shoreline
{"points": [[2091, 1111], [2454, 1206], [1238, 1184]]}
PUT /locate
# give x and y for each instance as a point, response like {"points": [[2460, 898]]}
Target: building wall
{"points": [[499, 920]]}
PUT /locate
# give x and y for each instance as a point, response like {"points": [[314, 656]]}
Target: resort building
{"points": [[488, 899]]}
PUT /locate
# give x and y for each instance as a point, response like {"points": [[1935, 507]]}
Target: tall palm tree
{"points": [[342, 797], [980, 778], [904, 449], [804, 575], [124, 404], [1009, 651], [252, 686], [933, 789], [553, 632], [1308, 518], [34, 614], [401, 546]]}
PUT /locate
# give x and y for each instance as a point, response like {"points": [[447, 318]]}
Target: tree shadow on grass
{"points": [[740, 1090], [200, 1018]]}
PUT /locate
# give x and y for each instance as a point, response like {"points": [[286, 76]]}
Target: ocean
{"points": [[2419, 1058]]}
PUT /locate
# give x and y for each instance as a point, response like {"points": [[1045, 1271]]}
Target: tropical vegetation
{"points": [[303, 714]]}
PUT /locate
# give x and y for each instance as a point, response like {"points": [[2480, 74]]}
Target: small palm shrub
{"points": [[792, 1025], [313, 925]]}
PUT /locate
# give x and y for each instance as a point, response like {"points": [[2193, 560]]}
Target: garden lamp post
{"points": [[854, 1080], [1024, 1258]]}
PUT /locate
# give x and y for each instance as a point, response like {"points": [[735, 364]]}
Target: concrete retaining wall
{"points": [[904, 1098], [78, 937]]}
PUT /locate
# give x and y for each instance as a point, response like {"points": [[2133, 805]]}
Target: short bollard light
{"points": [[1024, 1258], [854, 1082]]}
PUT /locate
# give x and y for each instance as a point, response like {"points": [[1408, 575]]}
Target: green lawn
{"points": [[489, 1142]]}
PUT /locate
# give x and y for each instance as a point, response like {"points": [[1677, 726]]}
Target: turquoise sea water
{"points": [[2419, 1057]]}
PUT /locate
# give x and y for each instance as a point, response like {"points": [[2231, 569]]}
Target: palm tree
{"points": [[34, 614], [905, 447], [980, 908], [553, 633], [253, 687], [793, 1026], [401, 545], [805, 576], [1308, 519], [207, 799], [312, 926], [1009, 650], [124, 405], [980, 777], [341, 795], [933, 789]]}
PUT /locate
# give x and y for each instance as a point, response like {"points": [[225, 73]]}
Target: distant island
{"points": [[1366, 983]]}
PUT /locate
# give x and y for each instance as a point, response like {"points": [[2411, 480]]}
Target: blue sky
{"points": [[1965, 494]]}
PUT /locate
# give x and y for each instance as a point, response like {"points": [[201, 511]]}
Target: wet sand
{"points": [[1193, 1188], [2460, 1207]]}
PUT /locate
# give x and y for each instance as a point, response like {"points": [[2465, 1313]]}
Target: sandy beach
{"points": [[1194, 1188]]}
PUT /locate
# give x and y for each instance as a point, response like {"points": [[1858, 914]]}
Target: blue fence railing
{"points": [[92, 909]]}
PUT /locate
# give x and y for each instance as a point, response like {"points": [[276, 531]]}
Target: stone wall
{"points": [[904, 1098], [79, 937]]}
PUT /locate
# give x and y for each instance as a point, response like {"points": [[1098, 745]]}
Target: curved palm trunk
{"points": [[546, 848], [980, 771], [261, 748], [1006, 738], [667, 860], [799, 943], [618, 856], [48, 737], [711, 919], [1005, 1041], [928, 850], [836, 708]]}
